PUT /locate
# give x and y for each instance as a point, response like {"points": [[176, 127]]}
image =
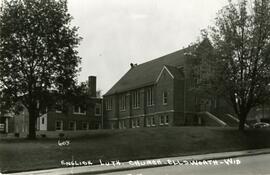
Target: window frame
{"points": [[165, 98], [108, 103], [162, 120], [98, 106], [74, 126], [87, 126], [135, 99], [61, 125], [59, 103], [122, 102], [166, 119], [80, 110], [149, 97]]}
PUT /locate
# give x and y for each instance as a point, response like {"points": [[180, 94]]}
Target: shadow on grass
{"points": [[125, 145]]}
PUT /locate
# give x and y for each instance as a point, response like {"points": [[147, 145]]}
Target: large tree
{"points": [[241, 65], [37, 53]]}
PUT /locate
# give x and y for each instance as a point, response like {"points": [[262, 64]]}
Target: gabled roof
{"points": [[176, 72], [146, 74]]}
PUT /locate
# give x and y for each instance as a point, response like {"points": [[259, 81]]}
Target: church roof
{"points": [[146, 74]]}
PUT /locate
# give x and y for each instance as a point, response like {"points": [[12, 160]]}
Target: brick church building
{"points": [[156, 93]]}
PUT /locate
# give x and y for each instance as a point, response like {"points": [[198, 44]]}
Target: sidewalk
{"points": [[137, 164]]}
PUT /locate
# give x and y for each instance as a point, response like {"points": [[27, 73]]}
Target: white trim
{"points": [[43, 126], [113, 119], [236, 119], [164, 67], [143, 115], [79, 110], [215, 118], [232, 117]]}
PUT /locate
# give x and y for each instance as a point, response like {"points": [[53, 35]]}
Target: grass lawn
{"points": [[124, 145]]}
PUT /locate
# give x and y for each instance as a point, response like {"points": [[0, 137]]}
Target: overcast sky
{"points": [[119, 32]]}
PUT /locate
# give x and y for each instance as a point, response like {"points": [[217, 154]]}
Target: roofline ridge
{"points": [[164, 55]]}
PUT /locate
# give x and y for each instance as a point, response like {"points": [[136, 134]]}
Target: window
{"points": [[162, 120], [42, 120], [122, 124], [136, 99], [59, 106], [122, 103], [98, 109], [148, 121], [165, 97], [135, 122], [85, 126], [153, 121], [138, 122], [72, 125], [79, 109], [59, 125], [166, 119], [149, 97], [108, 103]]}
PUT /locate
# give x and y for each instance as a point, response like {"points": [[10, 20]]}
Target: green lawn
{"points": [[131, 144]]}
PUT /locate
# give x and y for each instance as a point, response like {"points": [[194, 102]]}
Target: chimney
{"points": [[92, 86], [132, 65]]}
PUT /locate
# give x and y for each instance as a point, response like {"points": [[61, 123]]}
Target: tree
{"points": [[37, 53], [241, 42]]}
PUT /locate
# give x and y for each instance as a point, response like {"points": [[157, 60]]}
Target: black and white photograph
{"points": [[134, 87]]}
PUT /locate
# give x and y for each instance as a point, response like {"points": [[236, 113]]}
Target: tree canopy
{"points": [[38, 53], [241, 64]]}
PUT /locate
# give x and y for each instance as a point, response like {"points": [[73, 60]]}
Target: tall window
{"points": [[122, 124], [135, 122], [98, 109], [166, 119], [153, 121], [136, 99], [122, 102], [79, 109], [165, 97], [162, 120], [42, 120], [149, 97], [59, 125], [59, 106], [85, 126], [108, 103], [148, 121], [138, 122], [72, 125]]}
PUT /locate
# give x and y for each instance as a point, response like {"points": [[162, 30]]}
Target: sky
{"points": [[119, 32]]}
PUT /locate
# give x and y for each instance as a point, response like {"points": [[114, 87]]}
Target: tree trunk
{"points": [[242, 120], [32, 124]]}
